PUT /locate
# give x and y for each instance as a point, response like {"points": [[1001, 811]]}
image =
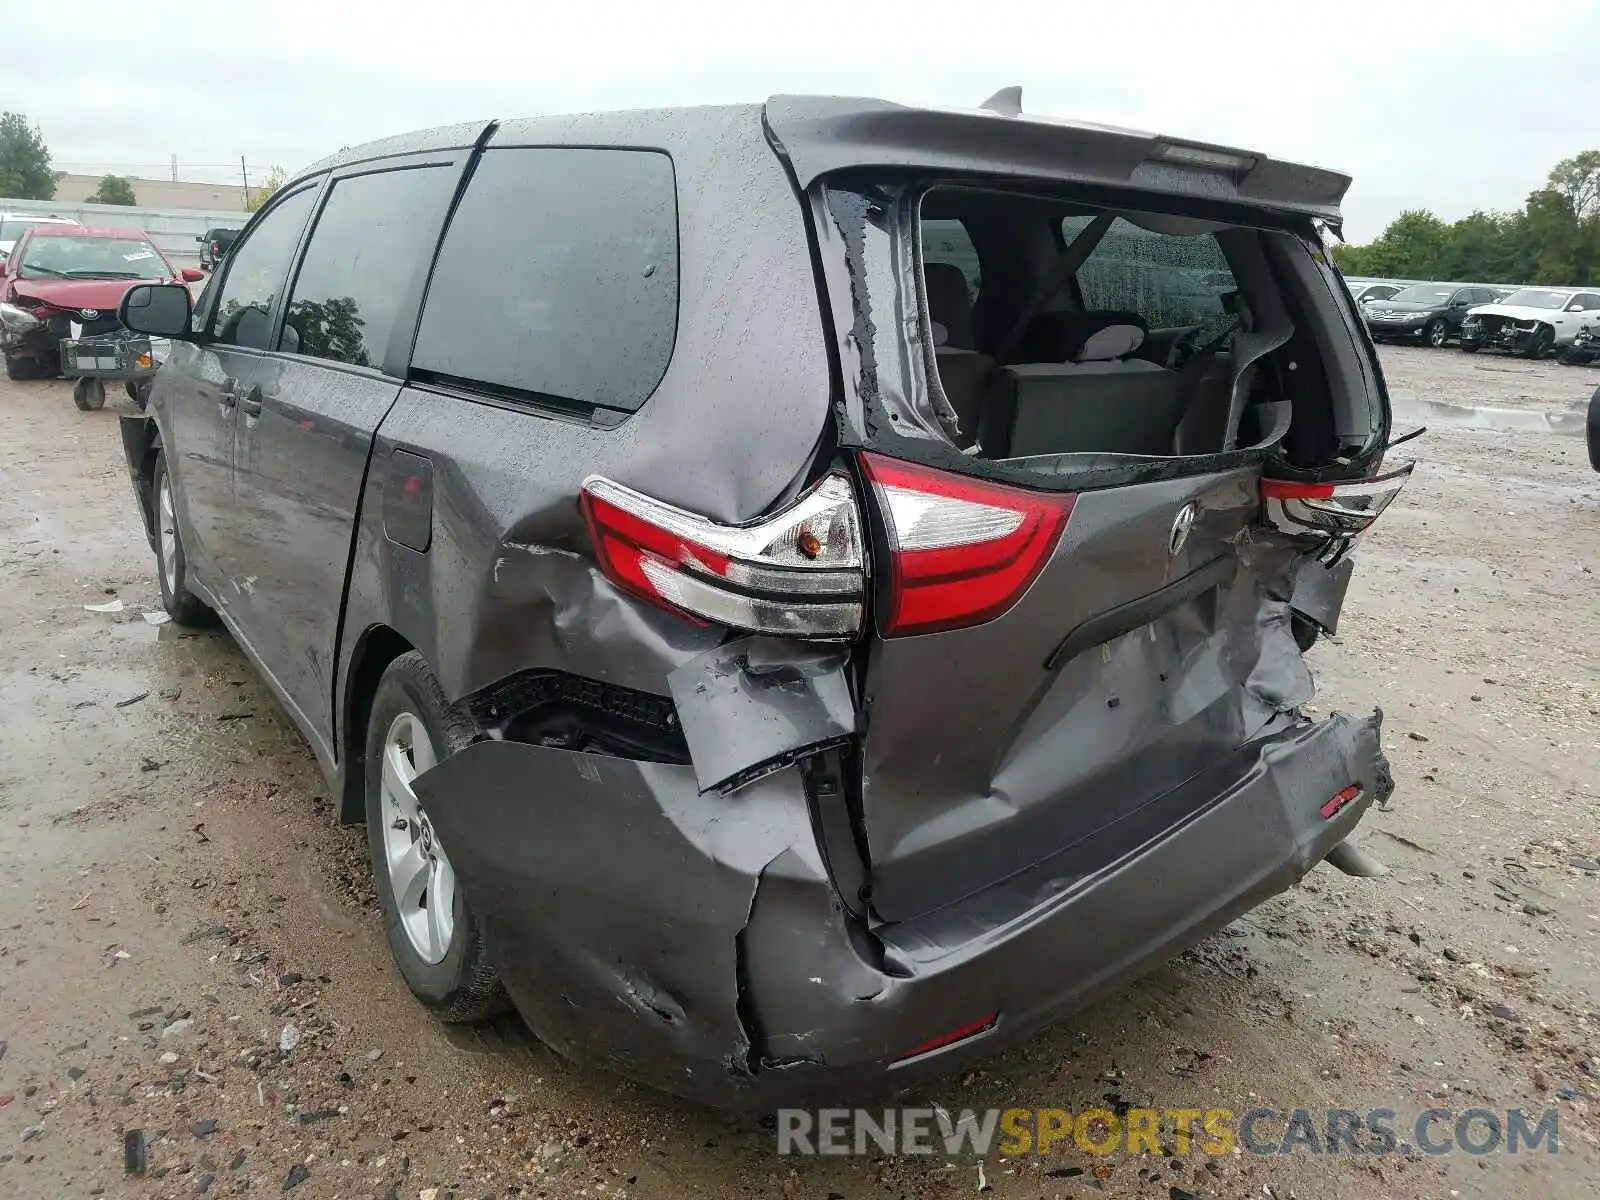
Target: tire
{"points": [[1436, 334], [24, 368], [139, 393], [1470, 347], [89, 395], [1594, 430], [1305, 630], [443, 963], [172, 565], [1543, 339]]}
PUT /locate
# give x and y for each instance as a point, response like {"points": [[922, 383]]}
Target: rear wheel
{"points": [[1437, 333], [1305, 630], [89, 394], [433, 935], [23, 368], [139, 393], [172, 566]]}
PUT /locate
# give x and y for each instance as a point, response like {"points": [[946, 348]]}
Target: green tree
{"points": [[24, 160], [113, 189], [275, 180], [1578, 179]]}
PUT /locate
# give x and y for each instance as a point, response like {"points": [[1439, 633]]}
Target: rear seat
{"points": [[963, 372], [1101, 399]]}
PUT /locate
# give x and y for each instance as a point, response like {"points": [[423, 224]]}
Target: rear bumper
{"points": [[705, 953]]}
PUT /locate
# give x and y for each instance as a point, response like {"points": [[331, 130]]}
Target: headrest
{"points": [[950, 305], [1082, 336]]}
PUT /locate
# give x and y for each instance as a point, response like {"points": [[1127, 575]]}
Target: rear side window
{"points": [[359, 264], [1170, 281], [255, 273], [558, 277]]}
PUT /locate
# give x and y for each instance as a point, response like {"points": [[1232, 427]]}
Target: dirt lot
{"points": [[190, 958]]}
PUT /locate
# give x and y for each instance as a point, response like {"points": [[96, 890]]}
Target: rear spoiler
{"points": [[825, 134]]}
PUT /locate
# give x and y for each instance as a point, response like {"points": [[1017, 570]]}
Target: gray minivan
{"points": [[800, 594]]}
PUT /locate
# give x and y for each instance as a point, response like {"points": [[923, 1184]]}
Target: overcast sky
{"points": [[1445, 106]]}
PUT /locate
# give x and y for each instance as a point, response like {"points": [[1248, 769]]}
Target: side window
{"points": [[1590, 302], [358, 266], [1168, 280], [256, 268], [946, 241], [558, 277]]}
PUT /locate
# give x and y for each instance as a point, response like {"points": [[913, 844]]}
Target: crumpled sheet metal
{"points": [[754, 705], [568, 852]]}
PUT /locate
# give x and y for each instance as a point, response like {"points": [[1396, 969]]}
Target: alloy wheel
{"points": [[168, 529], [1438, 334], [420, 875]]}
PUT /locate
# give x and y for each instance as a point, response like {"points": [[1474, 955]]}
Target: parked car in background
{"points": [[13, 225], [214, 245], [1364, 293], [774, 679], [66, 281], [1531, 321], [1425, 312]]}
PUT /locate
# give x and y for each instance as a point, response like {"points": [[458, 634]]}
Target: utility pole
{"points": [[245, 177]]}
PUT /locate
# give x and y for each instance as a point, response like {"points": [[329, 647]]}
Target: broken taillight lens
{"points": [[800, 573], [961, 551], [1334, 510]]}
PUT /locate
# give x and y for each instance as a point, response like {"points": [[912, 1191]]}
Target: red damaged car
{"points": [[66, 281]]}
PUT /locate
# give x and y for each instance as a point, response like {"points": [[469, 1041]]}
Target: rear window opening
{"points": [[1053, 329]]}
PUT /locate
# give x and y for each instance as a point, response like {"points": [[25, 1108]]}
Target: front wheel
{"points": [[1539, 345], [1470, 347], [1437, 333], [139, 393], [172, 565], [432, 933], [89, 395]]}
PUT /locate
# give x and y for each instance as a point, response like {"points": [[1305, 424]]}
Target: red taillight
{"points": [[961, 551], [949, 1039], [1333, 510], [800, 573], [1338, 800]]}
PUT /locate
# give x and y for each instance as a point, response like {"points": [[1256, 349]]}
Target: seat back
{"points": [[1102, 400]]}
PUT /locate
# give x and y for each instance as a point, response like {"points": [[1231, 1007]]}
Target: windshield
{"points": [[1538, 298], [92, 258], [1423, 294]]}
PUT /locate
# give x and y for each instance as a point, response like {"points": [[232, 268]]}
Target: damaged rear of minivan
{"points": [[1002, 701]]}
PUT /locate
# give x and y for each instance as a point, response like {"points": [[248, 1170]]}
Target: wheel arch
{"points": [[141, 444], [378, 646]]}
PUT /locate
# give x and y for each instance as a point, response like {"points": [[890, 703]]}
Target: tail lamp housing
{"points": [[799, 573], [962, 551], [1336, 511]]}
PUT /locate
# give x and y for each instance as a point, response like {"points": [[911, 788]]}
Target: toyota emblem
{"points": [[89, 314], [1181, 524]]}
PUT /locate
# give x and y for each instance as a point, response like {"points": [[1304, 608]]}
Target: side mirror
{"points": [[192, 274], [1575, 308], [161, 309]]}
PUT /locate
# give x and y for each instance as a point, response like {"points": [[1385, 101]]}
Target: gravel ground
{"points": [[192, 974]]}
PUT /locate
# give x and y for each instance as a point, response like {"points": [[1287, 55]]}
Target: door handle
{"points": [[251, 403]]}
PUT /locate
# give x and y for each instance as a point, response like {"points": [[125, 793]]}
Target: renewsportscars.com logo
{"points": [[1014, 1131]]}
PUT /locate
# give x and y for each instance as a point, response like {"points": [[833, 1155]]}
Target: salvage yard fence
{"points": [[173, 230]]}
